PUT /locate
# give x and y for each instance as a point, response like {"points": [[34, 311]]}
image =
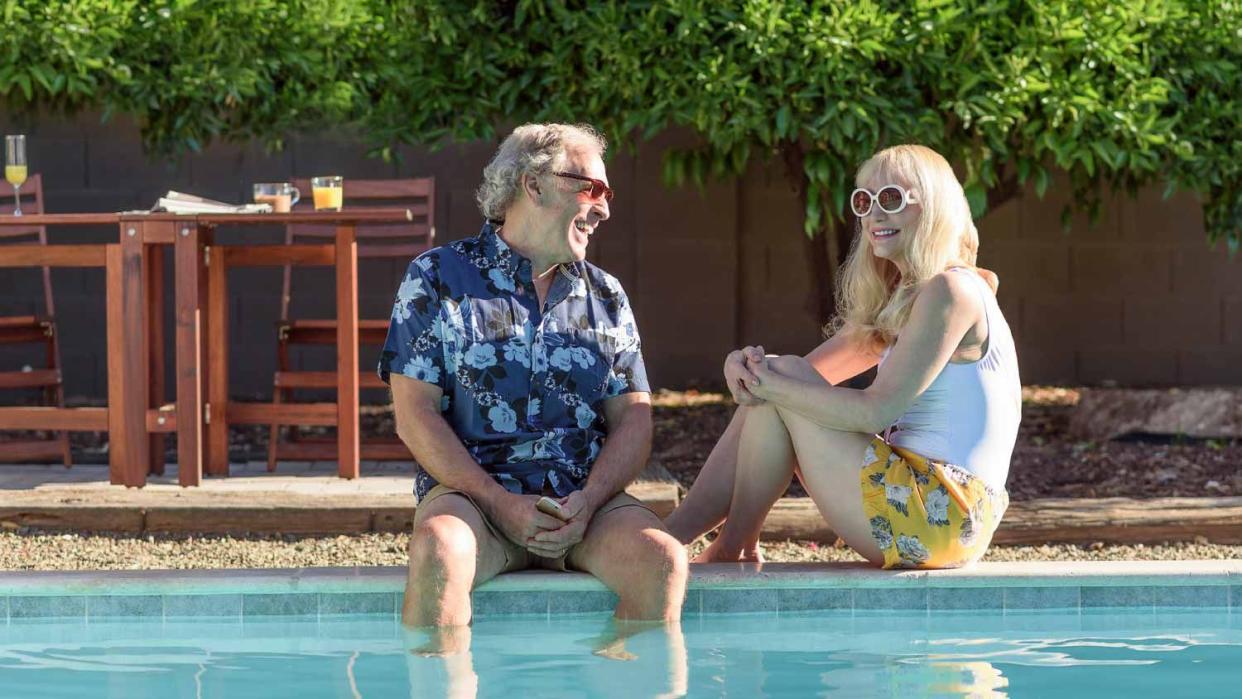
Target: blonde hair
{"points": [[873, 298]]}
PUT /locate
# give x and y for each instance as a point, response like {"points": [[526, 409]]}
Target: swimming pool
{"points": [[1076, 630]]}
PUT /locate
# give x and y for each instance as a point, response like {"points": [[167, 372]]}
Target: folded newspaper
{"points": [[179, 203]]}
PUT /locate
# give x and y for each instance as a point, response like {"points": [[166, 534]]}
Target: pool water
{"points": [[1131, 653]]}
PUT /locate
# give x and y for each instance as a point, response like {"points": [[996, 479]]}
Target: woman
{"points": [[910, 471]]}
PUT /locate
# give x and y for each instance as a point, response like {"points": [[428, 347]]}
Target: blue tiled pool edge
{"points": [[717, 588]]}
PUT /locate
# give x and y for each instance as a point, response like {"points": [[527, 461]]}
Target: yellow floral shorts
{"points": [[924, 513]]}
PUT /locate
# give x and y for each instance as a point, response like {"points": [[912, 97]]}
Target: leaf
{"points": [[782, 121], [1041, 181], [977, 197], [838, 199], [1170, 188], [23, 81]]}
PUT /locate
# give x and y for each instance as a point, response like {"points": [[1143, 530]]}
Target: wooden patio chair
{"points": [[403, 241], [34, 329]]}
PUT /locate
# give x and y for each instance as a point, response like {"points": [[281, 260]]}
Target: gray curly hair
{"points": [[532, 149]]}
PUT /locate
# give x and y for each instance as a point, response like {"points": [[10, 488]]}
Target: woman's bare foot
{"points": [[718, 554]]}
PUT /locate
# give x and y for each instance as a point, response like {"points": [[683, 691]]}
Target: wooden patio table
{"points": [[136, 417]]}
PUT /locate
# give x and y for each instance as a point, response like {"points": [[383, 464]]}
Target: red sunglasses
{"points": [[598, 188]]}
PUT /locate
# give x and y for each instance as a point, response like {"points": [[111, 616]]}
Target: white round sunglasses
{"points": [[892, 199]]}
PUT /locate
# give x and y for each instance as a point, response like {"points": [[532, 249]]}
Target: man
{"points": [[516, 371]]}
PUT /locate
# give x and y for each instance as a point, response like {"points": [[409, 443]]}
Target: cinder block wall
{"points": [[1140, 299]]}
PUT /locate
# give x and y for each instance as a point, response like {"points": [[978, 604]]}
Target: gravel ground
{"points": [[36, 550]]}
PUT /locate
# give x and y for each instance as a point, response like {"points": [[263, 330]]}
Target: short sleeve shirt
{"points": [[523, 386]]}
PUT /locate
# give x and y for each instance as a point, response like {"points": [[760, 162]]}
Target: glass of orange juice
{"points": [[328, 192]]}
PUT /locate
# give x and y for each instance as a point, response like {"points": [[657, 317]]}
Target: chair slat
{"points": [[20, 321], [405, 251], [29, 379], [323, 379], [368, 324], [376, 189], [22, 336], [385, 230], [18, 231], [27, 451]]}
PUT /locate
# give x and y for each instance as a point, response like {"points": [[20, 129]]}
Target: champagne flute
{"points": [[15, 167]]}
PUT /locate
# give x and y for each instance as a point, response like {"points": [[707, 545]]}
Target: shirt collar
{"points": [[510, 260], [493, 244]]}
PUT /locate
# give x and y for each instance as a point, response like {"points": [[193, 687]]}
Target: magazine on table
{"points": [[181, 203]]}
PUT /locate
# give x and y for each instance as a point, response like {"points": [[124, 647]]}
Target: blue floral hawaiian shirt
{"points": [[523, 387]]}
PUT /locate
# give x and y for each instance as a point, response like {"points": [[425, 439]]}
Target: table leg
{"points": [[155, 326], [187, 252], [347, 351], [206, 237], [127, 359], [218, 366]]}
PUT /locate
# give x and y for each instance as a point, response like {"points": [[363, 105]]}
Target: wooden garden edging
{"points": [[1064, 521]]}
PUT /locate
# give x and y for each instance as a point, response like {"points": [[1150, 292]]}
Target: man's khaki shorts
{"points": [[516, 557]]}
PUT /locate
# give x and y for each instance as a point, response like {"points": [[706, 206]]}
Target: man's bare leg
{"points": [[452, 671], [658, 651], [451, 552], [630, 551]]}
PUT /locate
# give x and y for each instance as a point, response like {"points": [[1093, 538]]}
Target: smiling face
{"points": [[567, 215], [888, 233]]}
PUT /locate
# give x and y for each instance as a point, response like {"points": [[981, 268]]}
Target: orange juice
{"points": [[328, 198], [15, 174]]}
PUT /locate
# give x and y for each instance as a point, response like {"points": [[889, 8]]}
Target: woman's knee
{"points": [[793, 366]]}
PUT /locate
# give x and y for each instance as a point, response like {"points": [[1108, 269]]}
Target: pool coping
{"points": [[773, 587], [702, 576]]}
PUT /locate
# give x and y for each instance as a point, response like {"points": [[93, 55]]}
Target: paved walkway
{"points": [[309, 478]]}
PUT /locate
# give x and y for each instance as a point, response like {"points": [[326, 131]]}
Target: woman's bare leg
{"points": [[830, 468], [831, 476], [774, 443], [707, 503], [764, 467]]}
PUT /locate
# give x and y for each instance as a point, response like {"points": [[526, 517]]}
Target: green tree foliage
{"points": [[1115, 95]]}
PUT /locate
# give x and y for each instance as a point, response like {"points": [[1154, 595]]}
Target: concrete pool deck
{"points": [[713, 588]]}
